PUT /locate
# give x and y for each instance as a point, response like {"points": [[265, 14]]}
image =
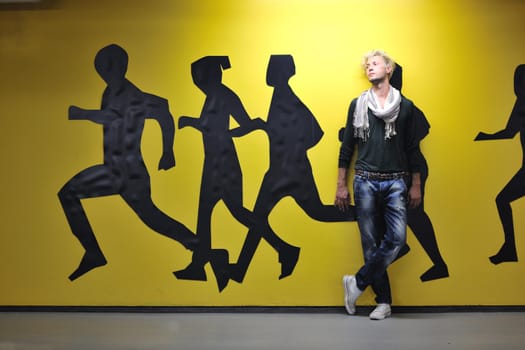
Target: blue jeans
{"points": [[381, 212]]}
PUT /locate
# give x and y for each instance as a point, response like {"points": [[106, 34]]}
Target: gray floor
{"points": [[230, 331]]}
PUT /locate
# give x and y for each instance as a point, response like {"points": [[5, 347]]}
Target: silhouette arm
{"points": [[159, 110], [499, 135], [253, 124], [246, 124], [99, 116], [185, 121], [515, 123]]}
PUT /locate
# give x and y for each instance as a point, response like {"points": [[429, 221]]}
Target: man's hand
{"points": [[342, 198], [414, 192], [414, 196]]}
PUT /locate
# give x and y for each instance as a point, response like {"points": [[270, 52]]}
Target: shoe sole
{"points": [[348, 307], [381, 318]]}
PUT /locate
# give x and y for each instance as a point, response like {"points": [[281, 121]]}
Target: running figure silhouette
{"points": [[292, 130], [417, 218], [515, 189], [221, 175], [123, 112]]}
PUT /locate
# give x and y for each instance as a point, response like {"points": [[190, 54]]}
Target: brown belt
{"points": [[370, 175]]}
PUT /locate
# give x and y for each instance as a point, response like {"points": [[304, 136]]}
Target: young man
{"points": [[381, 125]]}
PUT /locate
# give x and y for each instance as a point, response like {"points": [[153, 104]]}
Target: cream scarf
{"points": [[389, 113]]}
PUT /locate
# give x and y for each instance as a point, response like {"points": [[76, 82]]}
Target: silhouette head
{"points": [[396, 80], [280, 69], [207, 71], [519, 81], [111, 63]]}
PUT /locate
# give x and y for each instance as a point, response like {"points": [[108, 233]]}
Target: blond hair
{"points": [[388, 60]]}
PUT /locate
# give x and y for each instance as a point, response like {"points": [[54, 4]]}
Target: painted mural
{"points": [[291, 128], [184, 153]]}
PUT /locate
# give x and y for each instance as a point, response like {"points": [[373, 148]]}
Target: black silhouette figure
{"points": [[292, 130], [417, 218], [123, 112], [221, 176], [515, 189]]}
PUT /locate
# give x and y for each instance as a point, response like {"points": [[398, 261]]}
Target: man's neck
{"points": [[381, 90]]}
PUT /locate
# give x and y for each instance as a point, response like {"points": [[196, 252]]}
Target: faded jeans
{"points": [[381, 211]]}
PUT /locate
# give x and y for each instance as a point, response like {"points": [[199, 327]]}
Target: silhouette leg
{"points": [[161, 223], [288, 254], [259, 228], [92, 182], [402, 252], [239, 269], [307, 197], [420, 224], [507, 252], [195, 270], [328, 213], [513, 190]]}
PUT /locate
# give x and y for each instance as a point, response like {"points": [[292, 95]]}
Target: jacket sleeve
{"points": [[348, 143], [417, 129]]}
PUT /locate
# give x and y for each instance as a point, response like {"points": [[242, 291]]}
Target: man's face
{"points": [[376, 69]]}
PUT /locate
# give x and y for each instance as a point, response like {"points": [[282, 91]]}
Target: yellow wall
{"points": [[458, 58]]}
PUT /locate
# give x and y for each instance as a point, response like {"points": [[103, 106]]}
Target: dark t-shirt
{"points": [[398, 153]]}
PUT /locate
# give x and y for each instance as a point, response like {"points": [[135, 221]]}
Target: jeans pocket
{"points": [[358, 181]]}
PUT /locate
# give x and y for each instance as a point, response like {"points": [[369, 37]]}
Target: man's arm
{"points": [[414, 193], [417, 130], [342, 196]]}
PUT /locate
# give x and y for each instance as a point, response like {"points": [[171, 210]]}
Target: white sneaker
{"points": [[381, 312], [352, 292]]}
